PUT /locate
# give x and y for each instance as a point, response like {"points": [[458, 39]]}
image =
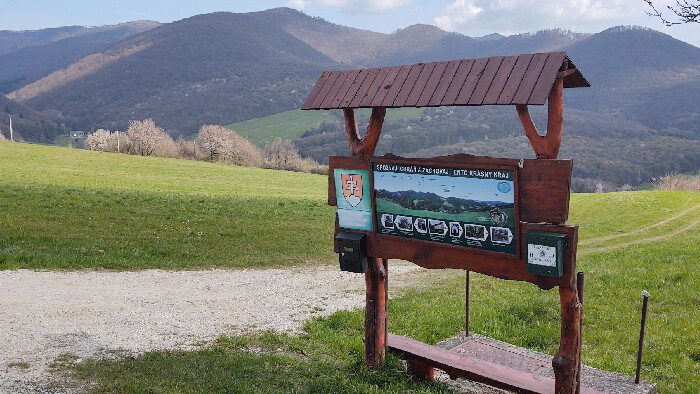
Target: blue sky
{"points": [[470, 17]]}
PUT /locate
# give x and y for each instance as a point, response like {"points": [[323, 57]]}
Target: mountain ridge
{"points": [[222, 68]]}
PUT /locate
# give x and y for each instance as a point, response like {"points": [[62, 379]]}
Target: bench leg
{"points": [[420, 370]]}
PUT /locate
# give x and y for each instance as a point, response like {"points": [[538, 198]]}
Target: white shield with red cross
{"points": [[352, 188]]}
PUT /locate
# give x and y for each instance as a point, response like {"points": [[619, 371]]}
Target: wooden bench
{"points": [[422, 358]]}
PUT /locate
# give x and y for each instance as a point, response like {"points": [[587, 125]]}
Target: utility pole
{"points": [[11, 137], [118, 150]]}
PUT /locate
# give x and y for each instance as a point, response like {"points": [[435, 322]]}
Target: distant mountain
{"points": [[25, 65], [27, 123], [216, 68], [640, 74], [639, 119], [11, 41]]}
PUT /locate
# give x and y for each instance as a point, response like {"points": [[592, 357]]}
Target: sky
{"points": [[470, 17]]}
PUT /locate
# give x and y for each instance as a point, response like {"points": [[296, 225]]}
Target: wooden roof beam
{"points": [[546, 146], [364, 146]]}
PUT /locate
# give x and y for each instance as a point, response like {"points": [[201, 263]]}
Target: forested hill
{"points": [[27, 123], [639, 119], [26, 56], [216, 68], [223, 68]]}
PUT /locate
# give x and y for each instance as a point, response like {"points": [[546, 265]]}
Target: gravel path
{"points": [[90, 313]]}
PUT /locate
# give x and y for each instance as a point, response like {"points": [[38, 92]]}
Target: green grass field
{"points": [[69, 209], [292, 124], [72, 209]]}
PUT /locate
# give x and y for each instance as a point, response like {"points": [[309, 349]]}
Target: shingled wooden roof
{"points": [[498, 80]]}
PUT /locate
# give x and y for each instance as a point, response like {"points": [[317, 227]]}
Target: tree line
{"points": [[213, 143]]}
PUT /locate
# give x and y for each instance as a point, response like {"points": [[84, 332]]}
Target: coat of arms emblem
{"points": [[352, 188]]}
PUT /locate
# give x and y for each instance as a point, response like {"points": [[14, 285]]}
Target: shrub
{"points": [[227, 146], [678, 182], [148, 139], [99, 140]]}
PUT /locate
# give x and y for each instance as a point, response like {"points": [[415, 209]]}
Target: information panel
{"points": [[458, 206]]}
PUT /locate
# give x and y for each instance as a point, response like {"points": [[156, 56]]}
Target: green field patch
{"points": [[286, 125], [292, 124], [72, 209]]}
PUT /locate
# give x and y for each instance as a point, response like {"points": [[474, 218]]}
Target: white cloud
{"points": [[298, 4], [351, 6], [457, 14], [507, 16]]}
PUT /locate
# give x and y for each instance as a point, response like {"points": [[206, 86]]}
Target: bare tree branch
{"points": [[686, 11]]}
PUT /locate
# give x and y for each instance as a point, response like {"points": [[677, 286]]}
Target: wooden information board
{"points": [[459, 211]]}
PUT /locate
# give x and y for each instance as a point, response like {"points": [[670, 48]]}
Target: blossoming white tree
{"points": [[147, 138], [226, 145], [98, 140]]}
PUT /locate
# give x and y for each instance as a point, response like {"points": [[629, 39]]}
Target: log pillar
{"points": [[546, 146], [376, 309], [376, 278], [567, 361]]}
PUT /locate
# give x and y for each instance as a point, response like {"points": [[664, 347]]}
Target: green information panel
{"points": [[467, 207], [352, 190]]}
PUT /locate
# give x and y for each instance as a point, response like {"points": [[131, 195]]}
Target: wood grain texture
{"points": [[549, 74], [376, 308], [514, 79], [485, 81], [374, 78], [327, 85], [472, 80], [500, 79], [418, 88], [567, 361], [408, 85], [472, 368], [522, 79], [365, 145], [316, 89], [354, 88], [382, 88], [465, 67], [522, 96], [445, 81], [546, 146], [395, 87]]}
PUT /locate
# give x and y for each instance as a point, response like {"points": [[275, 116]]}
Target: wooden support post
{"points": [[376, 279], [579, 290], [547, 146], [420, 369], [364, 146], [466, 308], [567, 361], [376, 312]]}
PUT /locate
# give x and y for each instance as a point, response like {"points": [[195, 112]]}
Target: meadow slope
{"points": [[71, 209], [67, 209]]}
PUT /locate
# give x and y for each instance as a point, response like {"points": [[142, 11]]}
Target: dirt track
{"points": [[90, 313]]}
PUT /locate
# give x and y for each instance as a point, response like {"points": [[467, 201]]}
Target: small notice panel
{"points": [[545, 253], [353, 199], [471, 207], [542, 255]]}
